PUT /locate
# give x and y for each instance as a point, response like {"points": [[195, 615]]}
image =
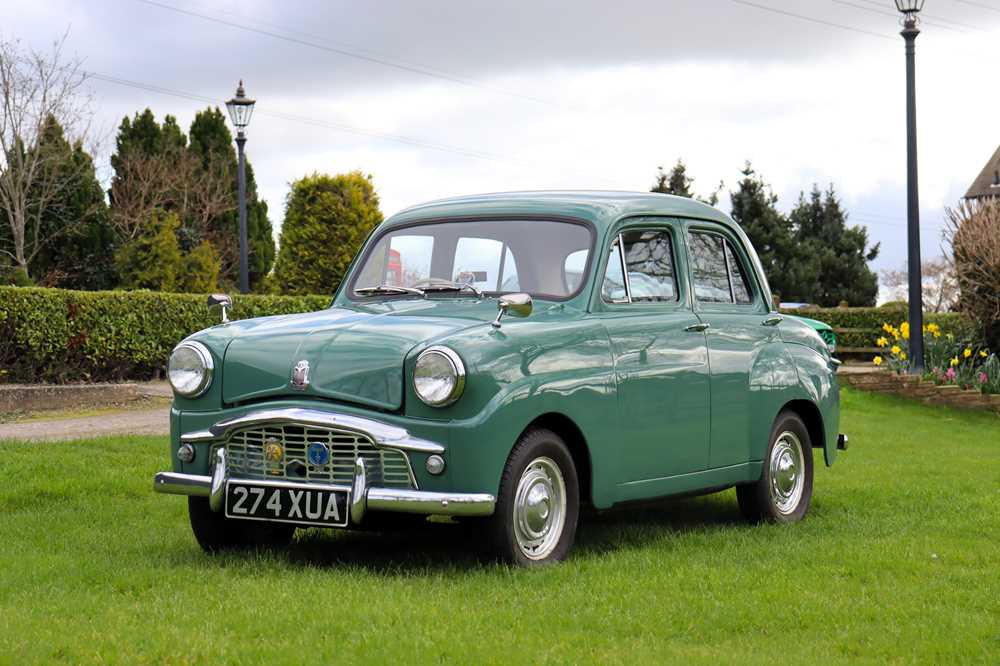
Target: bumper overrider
{"points": [[363, 497]]}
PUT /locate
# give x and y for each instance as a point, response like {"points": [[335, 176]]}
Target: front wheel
{"points": [[539, 502], [784, 490]]}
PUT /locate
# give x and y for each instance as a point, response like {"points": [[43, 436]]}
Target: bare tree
{"points": [[973, 233], [37, 87], [175, 181], [137, 191], [940, 285]]}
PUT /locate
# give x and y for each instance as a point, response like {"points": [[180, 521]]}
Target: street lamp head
{"points": [[909, 9], [240, 109]]}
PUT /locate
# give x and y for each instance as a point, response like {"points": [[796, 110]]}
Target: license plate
{"points": [[323, 507]]}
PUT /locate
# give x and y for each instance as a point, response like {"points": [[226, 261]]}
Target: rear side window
{"points": [[718, 274], [741, 288], [708, 265]]}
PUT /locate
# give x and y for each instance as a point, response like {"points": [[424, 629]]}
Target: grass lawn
{"points": [[898, 560]]}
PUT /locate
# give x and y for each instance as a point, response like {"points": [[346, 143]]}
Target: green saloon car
{"points": [[506, 360]]}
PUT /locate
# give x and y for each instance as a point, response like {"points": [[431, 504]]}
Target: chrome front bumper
{"points": [[362, 497]]}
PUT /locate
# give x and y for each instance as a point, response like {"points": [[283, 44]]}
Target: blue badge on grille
{"points": [[318, 454]]}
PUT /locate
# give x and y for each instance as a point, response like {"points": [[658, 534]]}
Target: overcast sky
{"points": [[436, 98]]}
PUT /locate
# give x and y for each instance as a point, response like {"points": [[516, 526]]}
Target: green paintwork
{"points": [[659, 410], [825, 331]]}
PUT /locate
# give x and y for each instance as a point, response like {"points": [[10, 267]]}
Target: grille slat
{"points": [[245, 456]]}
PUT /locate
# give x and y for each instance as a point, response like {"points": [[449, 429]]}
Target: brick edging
{"points": [[926, 391]]}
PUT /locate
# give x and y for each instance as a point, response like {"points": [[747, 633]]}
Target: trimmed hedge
{"points": [[858, 328], [58, 335]]}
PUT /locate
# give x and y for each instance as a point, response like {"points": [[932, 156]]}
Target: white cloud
{"points": [[632, 86]]}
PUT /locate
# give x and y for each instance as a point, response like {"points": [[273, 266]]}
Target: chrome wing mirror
{"points": [[516, 305], [223, 301]]}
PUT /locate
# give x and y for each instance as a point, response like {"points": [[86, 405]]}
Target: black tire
{"points": [[214, 532], [539, 450], [766, 500]]}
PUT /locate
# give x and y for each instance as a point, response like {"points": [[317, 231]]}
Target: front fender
{"points": [[516, 374], [817, 383]]}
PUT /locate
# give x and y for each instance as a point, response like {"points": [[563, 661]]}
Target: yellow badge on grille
{"points": [[273, 450]]}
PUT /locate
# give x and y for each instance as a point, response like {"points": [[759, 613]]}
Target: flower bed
{"points": [[949, 359], [925, 390]]}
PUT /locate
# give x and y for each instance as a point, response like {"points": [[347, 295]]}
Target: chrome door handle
{"points": [[772, 321], [698, 328]]}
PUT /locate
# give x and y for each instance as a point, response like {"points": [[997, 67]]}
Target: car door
{"points": [[730, 300], [660, 355]]}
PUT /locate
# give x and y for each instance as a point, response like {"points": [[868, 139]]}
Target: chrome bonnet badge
{"points": [[300, 376]]}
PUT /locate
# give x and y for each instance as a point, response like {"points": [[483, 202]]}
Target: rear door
{"points": [[731, 302], [659, 351]]}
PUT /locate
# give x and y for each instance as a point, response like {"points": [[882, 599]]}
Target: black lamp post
{"points": [[240, 109], [909, 10]]}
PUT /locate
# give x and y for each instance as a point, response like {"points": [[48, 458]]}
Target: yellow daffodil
{"points": [[887, 328], [882, 342], [877, 360], [936, 334], [902, 356], [904, 330], [967, 353], [933, 328], [983, 353], [895, 349], [955, 362]]}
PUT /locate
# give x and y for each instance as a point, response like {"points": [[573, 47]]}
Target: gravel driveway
{"points": [[153, 421]]}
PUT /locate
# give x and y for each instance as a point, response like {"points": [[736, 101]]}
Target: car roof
{"points": [[600, 208]]}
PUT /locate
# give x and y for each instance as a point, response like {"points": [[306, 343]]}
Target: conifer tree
{"points": [[678, 183], [153, 260], [754, 208], [327, 218], [834, 257]]}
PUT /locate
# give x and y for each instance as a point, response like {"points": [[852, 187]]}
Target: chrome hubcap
{"points": [[787, 473], [539, 508]]}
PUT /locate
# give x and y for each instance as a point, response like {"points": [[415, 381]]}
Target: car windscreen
{"points": [[545, 258]]}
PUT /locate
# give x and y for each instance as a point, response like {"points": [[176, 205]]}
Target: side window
{"points": [[741, 288], [649, 259], [708, 267], [613, 289]]}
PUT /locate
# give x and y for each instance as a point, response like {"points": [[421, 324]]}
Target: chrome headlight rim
{"points": [[458, 371], [208, 369]]}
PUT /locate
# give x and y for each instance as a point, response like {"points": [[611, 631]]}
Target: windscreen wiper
{"points": [[388, 289], [451, 286]]}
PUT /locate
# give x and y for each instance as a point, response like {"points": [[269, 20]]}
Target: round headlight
{"points": [[190, 369], [439, 376]]}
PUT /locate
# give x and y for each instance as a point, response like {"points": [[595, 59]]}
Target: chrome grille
{"points": [[245, 456]]}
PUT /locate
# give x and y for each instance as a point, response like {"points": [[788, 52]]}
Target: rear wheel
{"points": [[784, 490], [539, 502], [214, 532]]}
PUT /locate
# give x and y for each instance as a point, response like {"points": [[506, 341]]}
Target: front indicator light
{"points": [[186, 453], [435, 465]]}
